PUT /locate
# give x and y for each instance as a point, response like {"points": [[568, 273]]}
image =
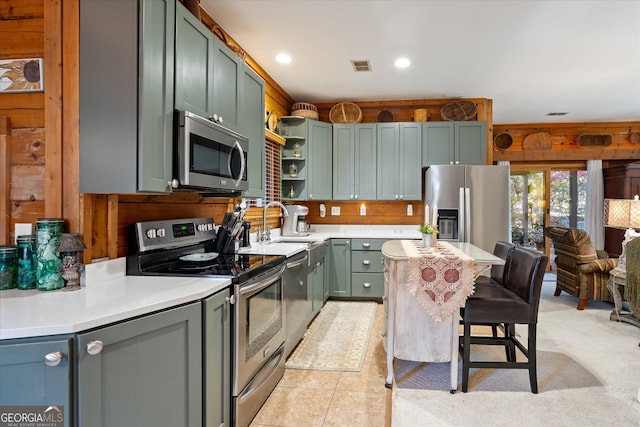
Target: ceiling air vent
{"points": [[361, 65], [557, 114]]}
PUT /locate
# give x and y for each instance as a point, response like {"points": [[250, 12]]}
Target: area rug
{"points": [[337, 339]]}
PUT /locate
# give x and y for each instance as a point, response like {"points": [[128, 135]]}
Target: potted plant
{"points": [[429, 233]]}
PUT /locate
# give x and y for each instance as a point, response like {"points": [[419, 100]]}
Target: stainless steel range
{"points": [[185, 248]]}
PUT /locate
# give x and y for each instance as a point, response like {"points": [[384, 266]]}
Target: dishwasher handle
{"points": [[298, 262]]}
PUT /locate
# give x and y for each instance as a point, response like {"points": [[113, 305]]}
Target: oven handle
{"points": [[261, 284], [237, 146]]}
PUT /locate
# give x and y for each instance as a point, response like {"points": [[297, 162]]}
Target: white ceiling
{"points": [[530, 57]]}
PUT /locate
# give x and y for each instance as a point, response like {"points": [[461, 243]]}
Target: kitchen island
{"points": [[422, 305]]}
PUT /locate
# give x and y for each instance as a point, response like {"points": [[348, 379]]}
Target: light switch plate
{"points": [[335, 210]]}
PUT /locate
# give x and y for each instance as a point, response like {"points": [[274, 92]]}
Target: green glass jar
{"points": [[48, 233], [27, 260], [8, 266]]}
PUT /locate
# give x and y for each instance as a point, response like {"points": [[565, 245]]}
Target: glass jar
{"points": [[48, 233], [8, 266], [293, 170], [297, 150], [27, 260]]}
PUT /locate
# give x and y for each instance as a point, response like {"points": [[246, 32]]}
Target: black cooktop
{"points": [[183, 248]]}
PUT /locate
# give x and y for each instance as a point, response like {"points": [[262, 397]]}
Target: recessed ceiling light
{"points": [[283, 58], [402, 63]]}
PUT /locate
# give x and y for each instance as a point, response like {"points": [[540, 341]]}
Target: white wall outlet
{"points": [[323, 210], [335, 210], [22, 230], [363, 210], [409, 209]]}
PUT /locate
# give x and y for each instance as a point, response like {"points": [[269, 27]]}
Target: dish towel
{"points": [[439, 278]]}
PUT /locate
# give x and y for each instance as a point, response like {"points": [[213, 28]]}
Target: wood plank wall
{"points": [[35, 188]]}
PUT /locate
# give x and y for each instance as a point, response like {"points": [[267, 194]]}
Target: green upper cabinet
{"points": [[306, 159], [227, 81], [194, 64], [252, 126], [208, 74], [126, 96], [354, 162], [399, 147], [446, 143], [319, 163], [471, 143]]}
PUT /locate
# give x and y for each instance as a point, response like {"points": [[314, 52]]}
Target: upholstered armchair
{"points": [[582, 271]]}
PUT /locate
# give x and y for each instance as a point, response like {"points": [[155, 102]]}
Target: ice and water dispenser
{"points": [[448, 224]]}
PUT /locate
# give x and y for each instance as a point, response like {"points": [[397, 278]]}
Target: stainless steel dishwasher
{"points": [[297, 305]]}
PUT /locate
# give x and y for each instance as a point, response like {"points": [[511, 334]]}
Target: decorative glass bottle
{"points": [[297, 150], [293, 170], [292, 194], [27, 260], [8, 266], [48, 232]]}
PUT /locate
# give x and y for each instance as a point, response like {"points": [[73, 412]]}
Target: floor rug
{"points": [[337, 339]]}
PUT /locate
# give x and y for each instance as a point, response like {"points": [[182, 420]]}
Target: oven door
{"points": [[259, 324], [210, 156]]}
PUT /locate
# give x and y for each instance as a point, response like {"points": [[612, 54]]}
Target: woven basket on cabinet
{"points": [[304, 109], [345, 112]]}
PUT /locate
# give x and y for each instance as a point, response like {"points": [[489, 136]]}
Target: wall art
{"points": [[21, 75]]}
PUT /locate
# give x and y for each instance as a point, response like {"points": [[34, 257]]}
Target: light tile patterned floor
{"points": [[331, 399]]}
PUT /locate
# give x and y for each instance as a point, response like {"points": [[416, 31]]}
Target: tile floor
{"points": [[305, 398]]}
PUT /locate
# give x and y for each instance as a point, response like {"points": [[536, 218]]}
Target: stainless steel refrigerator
{"points": [[469, 203]]}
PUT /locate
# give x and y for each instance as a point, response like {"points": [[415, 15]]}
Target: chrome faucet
{"points": [[264, 236]]}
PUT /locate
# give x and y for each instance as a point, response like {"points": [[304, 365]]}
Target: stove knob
{"points": [[161, 232], [151, 233]]}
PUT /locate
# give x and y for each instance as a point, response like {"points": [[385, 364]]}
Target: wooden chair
{"points": [[515, 303]]}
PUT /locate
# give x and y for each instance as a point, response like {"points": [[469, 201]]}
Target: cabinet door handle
{"points": [[310, 196], [366, 285], [53, 359], [366, 245], [355, 197], [231, 299], [366, 262], [94, 347]]}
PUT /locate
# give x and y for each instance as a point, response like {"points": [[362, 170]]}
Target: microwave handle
{"points": [[243, 165]]}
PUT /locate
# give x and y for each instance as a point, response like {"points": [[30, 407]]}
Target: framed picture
{"points": [[21, 75]]}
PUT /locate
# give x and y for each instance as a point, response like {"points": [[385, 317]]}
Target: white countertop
{"points": [[110, 296], [290, 245]]}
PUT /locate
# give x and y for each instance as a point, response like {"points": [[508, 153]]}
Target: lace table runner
{"points": [[439, 278]]}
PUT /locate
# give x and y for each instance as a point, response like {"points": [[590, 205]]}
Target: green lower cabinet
{"points": [[316, 287], [143, 372], [340, 268], [38, 372], [367, 285], [367, 266], [216, 312]]}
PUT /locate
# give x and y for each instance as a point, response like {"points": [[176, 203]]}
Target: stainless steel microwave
{"points": [[207, 156]]}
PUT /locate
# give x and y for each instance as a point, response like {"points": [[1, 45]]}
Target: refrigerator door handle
{"points": [[462, 221], [467, 215]]}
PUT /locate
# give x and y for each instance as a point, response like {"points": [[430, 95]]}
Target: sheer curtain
{"points": [[507, 163], [595, 204]]}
